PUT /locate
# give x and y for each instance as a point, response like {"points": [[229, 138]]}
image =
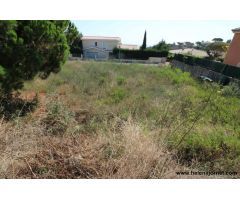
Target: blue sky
{"points": [[131, 32]]}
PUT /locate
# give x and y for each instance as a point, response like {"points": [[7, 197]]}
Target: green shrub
{"points": [[57, 118], [121, 80], [117, 95], [231, 90], [176, 76], [213, 149]]}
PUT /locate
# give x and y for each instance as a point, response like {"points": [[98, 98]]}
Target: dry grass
{"points": [[122, 152], [132, 154]]}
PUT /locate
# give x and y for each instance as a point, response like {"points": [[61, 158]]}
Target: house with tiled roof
{"points": [[99, 47]]}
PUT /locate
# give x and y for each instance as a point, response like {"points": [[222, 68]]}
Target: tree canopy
{"points": [[216, 49], [229, 41], [30, 48], [202, 45], [217, 40], [72, 33], [161, 46]]}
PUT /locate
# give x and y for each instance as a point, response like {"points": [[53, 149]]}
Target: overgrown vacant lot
{"points": [[106, 120]]}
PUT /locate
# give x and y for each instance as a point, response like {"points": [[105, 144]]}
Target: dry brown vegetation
{"points": [[27, 151]]}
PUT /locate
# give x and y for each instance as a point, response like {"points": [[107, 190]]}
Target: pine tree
{"points": [[30, 48]]}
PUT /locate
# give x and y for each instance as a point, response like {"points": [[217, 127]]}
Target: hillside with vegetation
{"points": [[109, 120]]}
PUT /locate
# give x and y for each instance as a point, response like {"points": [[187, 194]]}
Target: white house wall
{"points": [[108, 45], [93, 53]]}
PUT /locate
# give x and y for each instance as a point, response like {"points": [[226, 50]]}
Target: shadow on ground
{"points": [[14, 106]]}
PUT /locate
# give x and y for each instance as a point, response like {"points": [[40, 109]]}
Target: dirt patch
{"points": [[30, 96]]}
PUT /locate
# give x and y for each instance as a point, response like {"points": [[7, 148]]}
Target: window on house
{"points": [[95, 44]]}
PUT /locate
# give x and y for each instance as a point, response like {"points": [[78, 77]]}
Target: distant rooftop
{"points": [[236, 30], [100, 38]]}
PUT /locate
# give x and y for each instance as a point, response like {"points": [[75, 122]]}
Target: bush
{"points": [[176, 76], [57, 118], [138, 54], [231, 90], [214, 149], [117, 95]]}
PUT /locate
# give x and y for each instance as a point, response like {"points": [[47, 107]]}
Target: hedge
{"points": [[227, 70], [139, 54]]}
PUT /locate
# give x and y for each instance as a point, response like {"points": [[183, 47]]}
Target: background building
{"points": [[99, 47], [233, 53]]}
